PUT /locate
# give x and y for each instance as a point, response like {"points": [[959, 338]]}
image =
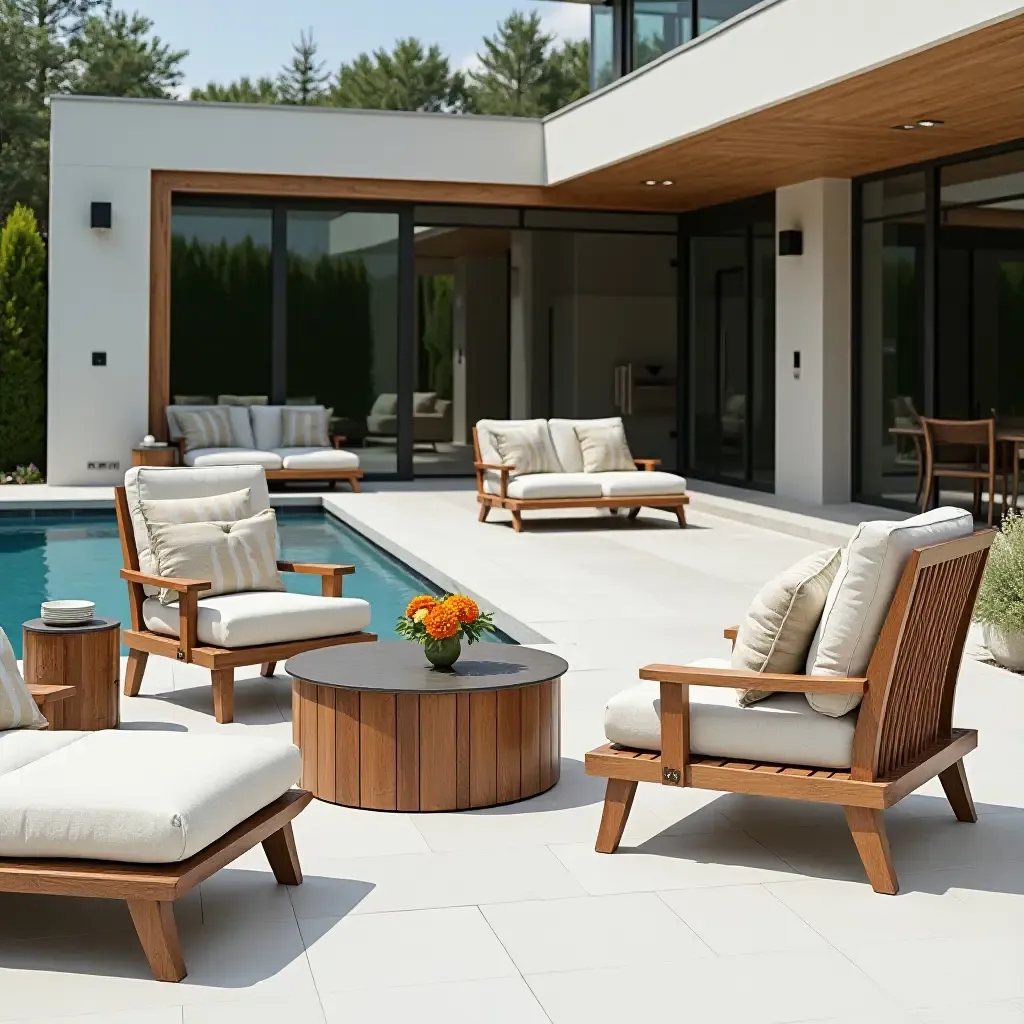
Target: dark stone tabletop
{"points": [[92, 626]]}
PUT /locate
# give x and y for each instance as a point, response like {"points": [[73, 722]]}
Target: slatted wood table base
{"points": [[427, 752]]}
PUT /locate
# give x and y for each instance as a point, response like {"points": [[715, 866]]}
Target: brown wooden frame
{"points": [[151, 889], [978, 434], [221, 661], [904, 734], [671, 502]]}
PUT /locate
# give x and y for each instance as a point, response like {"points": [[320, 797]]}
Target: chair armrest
{"points": [[337, 440], [648, 465], [496, 468], [481, 467], [743, 679], [731, 632], [49, 693], [165, 582], [330, 575]]}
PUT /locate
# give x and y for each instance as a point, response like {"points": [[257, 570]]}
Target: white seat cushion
{"points": [[782, 729], [317, 458], [232, 457], [626, 485], [860, 595], [23, 746], [546, 485], [140, 797], [244, 620]]}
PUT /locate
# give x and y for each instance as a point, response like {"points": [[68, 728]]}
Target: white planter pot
{"points": [[1007, 649]]}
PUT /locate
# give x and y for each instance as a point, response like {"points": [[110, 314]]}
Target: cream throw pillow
{"points": [[527, 447], [206, 428], [304, 428], [235, 557], [604, 448], [779, 626], [17, 707]]}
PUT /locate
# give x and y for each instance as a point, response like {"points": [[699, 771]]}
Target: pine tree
{"points": [[22, 341], [570, 72], [515, 76], [408, 78], [303, 80], [263, 90]]}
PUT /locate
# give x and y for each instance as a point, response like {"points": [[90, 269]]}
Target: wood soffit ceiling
{"points": [[975, 84]]}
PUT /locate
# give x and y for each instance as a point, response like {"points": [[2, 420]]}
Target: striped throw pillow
{"points": [[528, 447], [604, 448], [304, 428], [206, 428], [234, 557], [17, 708]]}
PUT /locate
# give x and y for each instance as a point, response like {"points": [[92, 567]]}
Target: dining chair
{"points": [[961, 450], [1011, 453]]}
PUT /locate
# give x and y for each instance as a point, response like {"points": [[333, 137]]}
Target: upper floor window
{"points": [[660, 26]]}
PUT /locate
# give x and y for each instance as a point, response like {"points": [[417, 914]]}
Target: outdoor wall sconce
{"points": [[100, 216], [791, 243]]}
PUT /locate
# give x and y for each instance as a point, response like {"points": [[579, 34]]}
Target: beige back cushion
{"points": [[777, 631], [152, 483], [234, 557], [423, 401], [527, 447], [206, 428], [567, 443], [268, 423], [304, 428], [241, 428], [17, 708], [862, 591], [604, 447], [487, 436]]}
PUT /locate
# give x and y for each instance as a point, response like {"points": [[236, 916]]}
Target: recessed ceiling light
{"points": [[668, 183], [929, 123], [650, 183], [924, 123]]}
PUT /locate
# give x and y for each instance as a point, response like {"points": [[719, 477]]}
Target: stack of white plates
{"points": [[68, 613]]}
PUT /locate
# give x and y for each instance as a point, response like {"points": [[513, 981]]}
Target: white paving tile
{"points": [[975, 1013], [156, 1015], [364, 885], [737, 919], [326, 830], [591, 932], [490, 1001], [766, 988], [418, 947], [303, 1010]]}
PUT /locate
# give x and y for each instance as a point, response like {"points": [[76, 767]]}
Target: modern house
{"points": [[771, 233]]}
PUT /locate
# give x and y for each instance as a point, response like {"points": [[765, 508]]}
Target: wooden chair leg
{"points": [[517, 522], [283, 857], [134, 672], [158, 933], [868, 829], [681, 516], [977, 499], [618, 802], [223, 680], [634, 512], [355, 485], [268, 668], [482, 512], [958, 793]]}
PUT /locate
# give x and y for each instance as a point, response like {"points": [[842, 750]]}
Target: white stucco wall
{"points": [[104, 150], [812, 317], [775, 52]]}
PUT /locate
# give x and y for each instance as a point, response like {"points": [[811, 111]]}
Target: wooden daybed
{"points": [[904, 733]]}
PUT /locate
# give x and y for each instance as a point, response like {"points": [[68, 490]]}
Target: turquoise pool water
{"points": [[50, 558]]}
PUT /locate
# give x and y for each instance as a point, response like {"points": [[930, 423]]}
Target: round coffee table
{"points": [[379, 728]]}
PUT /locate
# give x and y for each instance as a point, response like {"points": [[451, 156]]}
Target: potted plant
{"points": [[1000, 605], [440, 624]]}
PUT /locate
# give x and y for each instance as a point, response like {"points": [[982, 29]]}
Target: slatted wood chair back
{"points": [[129, 555], [912, 676], [966, 443]]}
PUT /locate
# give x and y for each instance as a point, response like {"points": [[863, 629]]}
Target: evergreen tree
{"points": [[22, 341], [118, 57], [303, 80], [516, 76], [263, 90], [570, 72], [408, 78]]}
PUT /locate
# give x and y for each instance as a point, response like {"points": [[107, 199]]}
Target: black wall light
{"points": [[791, 243], [100, 216]]}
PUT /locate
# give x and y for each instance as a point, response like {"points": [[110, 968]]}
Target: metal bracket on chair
{"points": [[180, 655], [670, 775]]}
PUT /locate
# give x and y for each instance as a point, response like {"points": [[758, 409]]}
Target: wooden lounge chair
{"points": [[903, 736], [186, 635]]}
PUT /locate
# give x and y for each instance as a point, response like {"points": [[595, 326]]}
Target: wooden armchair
{"points": [[904, 734], [187, 638], [961, 450]]}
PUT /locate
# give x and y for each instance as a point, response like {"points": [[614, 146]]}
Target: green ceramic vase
{"points": [[442, 654]]}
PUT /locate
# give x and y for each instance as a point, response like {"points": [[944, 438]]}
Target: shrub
{"points": [[22, 341], [1001, 595]]}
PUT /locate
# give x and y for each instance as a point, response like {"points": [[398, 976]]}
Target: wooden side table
{"points": [[87, 657], [155, 455]]}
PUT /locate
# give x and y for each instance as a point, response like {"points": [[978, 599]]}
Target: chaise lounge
{"points": [[888, 630], [527, 465]]}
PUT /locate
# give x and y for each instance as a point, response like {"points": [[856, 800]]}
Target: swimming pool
{"points": [[45, 558]]}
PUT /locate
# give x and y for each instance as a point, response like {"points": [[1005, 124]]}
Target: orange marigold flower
{"points": [[465, 607], [441, 622], [423, 601]]}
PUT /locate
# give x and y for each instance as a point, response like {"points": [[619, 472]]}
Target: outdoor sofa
{"points": [[431, 418], [256, 439], [840, 689], [142, 817], [565, 469]]}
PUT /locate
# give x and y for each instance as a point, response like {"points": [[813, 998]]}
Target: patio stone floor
{"points": [[721, 908]]}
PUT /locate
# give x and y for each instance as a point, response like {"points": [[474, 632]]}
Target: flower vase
{"points": [[442, 654]]}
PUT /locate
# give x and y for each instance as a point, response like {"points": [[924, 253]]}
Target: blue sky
{"points": [[229, 38]]}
